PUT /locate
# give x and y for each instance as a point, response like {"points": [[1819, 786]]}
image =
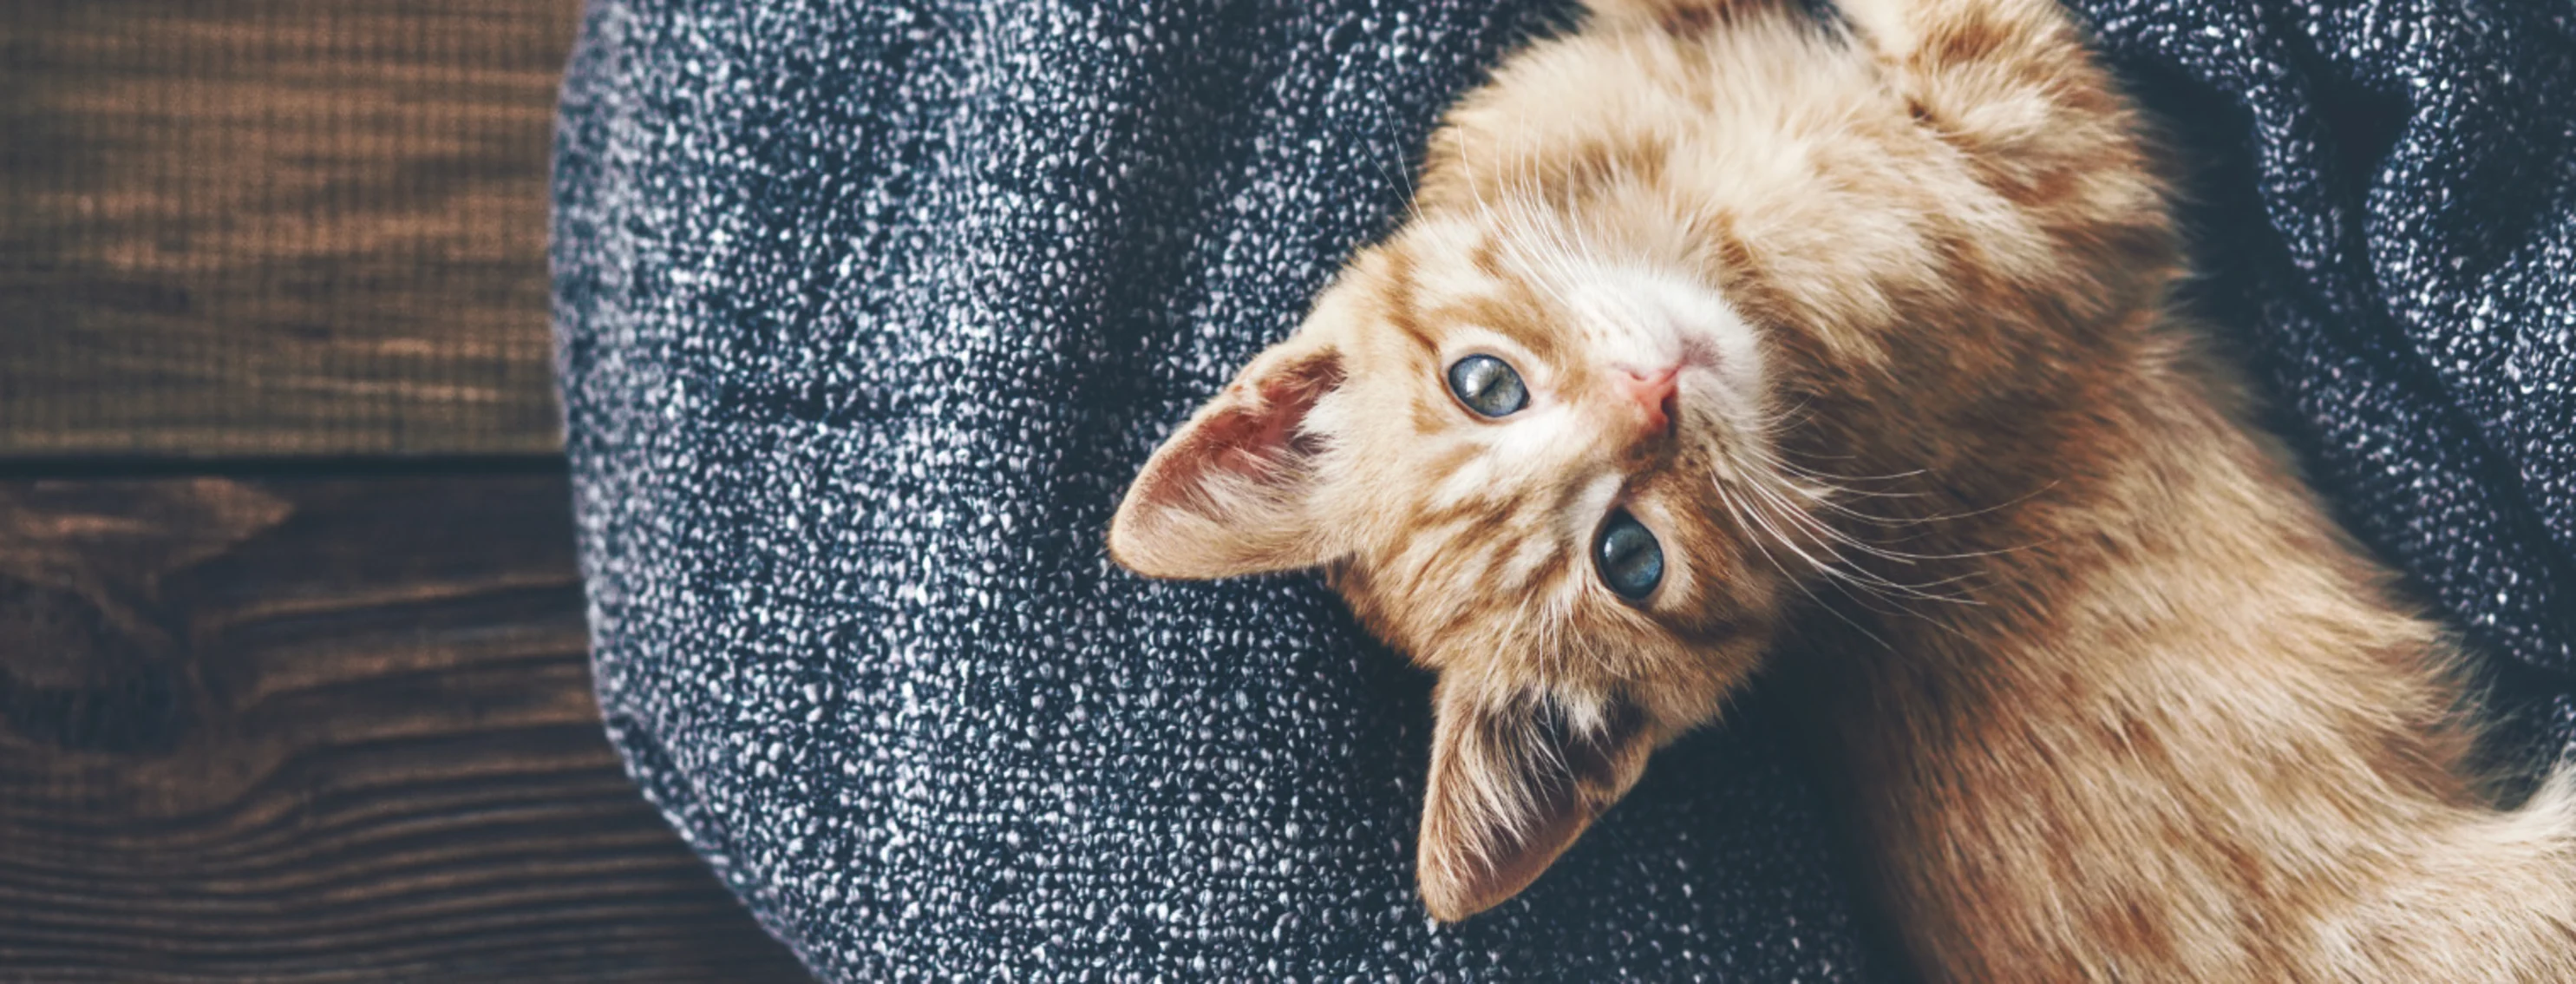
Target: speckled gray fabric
{"points": [[868, 310]]}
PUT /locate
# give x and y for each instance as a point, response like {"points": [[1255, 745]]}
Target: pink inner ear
{"points": [[1250, 437]]}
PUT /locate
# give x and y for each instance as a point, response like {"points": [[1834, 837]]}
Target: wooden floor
{"points": [[292, 672]]}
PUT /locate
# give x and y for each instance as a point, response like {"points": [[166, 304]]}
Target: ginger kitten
{"points": [[1715, 329]]}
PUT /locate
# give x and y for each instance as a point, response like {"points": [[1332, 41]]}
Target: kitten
{"points": [[1718, 331]]}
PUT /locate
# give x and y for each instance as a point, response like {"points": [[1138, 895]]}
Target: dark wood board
{"points": [[323, 730], [276, 227]]}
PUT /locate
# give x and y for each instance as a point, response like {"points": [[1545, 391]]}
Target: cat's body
{"points": [[2187, 736], [2184, 733], [1717, 332]]}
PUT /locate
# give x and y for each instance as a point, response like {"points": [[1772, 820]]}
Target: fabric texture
{"points": [[867, 311]]}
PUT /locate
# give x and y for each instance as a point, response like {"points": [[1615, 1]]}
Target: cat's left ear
{"points": [[1232, 492], [1517, 773]]}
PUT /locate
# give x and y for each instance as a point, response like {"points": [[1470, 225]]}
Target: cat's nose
{"points": [[1653, 393]]}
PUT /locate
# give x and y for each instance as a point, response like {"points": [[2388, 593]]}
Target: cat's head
{"points": [[1562, 437], [1502, 446]]}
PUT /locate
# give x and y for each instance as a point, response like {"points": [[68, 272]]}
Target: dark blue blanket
{"points": [[868, 310]]}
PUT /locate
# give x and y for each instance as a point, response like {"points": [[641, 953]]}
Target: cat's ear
{"points": [[1232, 492], [1517, 773]]}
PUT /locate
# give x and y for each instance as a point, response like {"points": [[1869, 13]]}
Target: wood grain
{"points": [[323, 730], [276, 227]]}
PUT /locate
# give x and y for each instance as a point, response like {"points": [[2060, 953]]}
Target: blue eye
{"points": [[1629, 559], [1488, 386]]}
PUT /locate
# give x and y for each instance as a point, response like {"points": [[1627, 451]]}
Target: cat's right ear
{"points": [[1518, 771], [1232, 492]]}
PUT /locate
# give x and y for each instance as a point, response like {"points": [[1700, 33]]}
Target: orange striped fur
{"points": [[2114, 698]]}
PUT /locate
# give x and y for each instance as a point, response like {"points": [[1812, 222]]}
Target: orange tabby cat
{"points": [[1715, 328]]}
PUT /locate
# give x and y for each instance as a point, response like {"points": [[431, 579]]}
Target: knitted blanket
{"points": [[867, 311]]}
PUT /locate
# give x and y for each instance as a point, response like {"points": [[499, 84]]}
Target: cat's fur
{"points": [[2111, 696]]}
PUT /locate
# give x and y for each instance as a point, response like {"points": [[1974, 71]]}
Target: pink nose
{"points": [[1653, 393]]}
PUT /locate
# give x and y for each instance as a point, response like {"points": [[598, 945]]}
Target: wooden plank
{"points": [[276, 227], [323, 730]]}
